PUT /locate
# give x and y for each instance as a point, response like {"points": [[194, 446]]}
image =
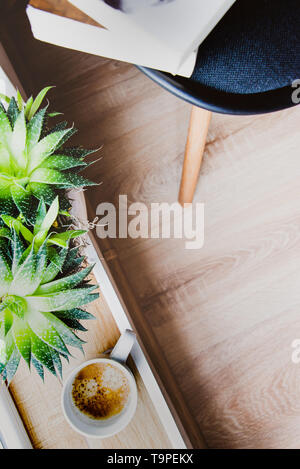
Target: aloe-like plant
{"points": [[34, 165], [42, 288]]}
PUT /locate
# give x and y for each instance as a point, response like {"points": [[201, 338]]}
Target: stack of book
{"points": [[160, 34]]}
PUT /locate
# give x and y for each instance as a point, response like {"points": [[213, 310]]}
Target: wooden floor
{"points": [[225, 316]]}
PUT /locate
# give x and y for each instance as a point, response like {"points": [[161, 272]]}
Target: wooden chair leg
{"points": [[198, 129]]}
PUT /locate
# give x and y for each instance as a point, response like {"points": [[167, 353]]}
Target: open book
{"points": [[160, 34]]}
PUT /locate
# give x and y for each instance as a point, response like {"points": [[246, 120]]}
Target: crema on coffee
{"points": [[100, 391]]}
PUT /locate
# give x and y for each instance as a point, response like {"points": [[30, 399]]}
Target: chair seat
{"points": [[255, 48], [248, 62]]}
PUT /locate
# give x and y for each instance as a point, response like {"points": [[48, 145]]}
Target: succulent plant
{"points": [[34, 164], [42, 289]]}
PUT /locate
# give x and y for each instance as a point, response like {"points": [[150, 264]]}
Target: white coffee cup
{"points": [[103, 428]]}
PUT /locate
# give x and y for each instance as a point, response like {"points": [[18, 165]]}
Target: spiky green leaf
{"points": [[24, 201], [5, 98], [45, 148], [39, 368], [34, 129], [65, 333], [43, 329], [41, 352], [12, 365], [55, 266], [12, 111], [62, 162], [6, 348], [38, 101], [5, 127], [64, 180], [56, 361], [75, 313], [28, 106], [65, 283], [62, 239], [23, 281], [21, 335], [42, 191], [20, 101], [17, 142], [40, 215], [8, 320], [63, 300], [16, 225], [5, 275]]}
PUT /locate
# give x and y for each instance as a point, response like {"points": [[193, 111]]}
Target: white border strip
{"points": [[137, 354], [13, 432]]}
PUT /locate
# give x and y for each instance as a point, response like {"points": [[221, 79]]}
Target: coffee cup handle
{"points": [[123, 347]]}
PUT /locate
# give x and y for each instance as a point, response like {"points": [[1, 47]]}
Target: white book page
{"points": [[83, 37], [179, 25]]}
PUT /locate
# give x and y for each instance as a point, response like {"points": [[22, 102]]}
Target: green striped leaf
{"points": [[28, 106], [63, 180], [6, 348], [13, 111], [41, 353], [41, 213], [20, 101], [34, 128], [78, 152], [5, 163], [60, 126], [46, 224], [38, 101], [41, 262], [4, 98], [16, 305], [63, 300], [42, 191], [12, 223], [8, 320], [12, 365], [23, 281], [24, 202], [2, 368], [65, 333], [18, 251], [7, 205], [55, 266], [56, 361], [5, 127], [64, 283], [51, 215], [44, 148], [21, 335], [62, 162], [17, 142], [5, 233], [71, 256], [62, 239], [43, 328], [55, 114], [5, 275], [75, 313], [72, 323], [39, 368]]}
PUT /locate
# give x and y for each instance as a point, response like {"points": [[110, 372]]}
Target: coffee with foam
{"points": [[100, 391]]}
